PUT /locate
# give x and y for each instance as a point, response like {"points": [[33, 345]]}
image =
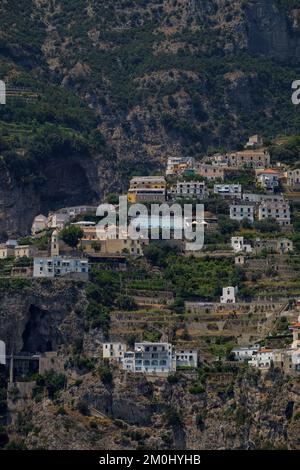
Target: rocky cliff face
{"points": [[272, 33], [99, 408], [244, 412], [172, 77], [41, 316]]}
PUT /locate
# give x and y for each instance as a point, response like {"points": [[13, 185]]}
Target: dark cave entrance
{"points": [[37, 334]]}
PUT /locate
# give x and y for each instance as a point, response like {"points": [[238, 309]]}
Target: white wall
{"points": [[2, 353]]}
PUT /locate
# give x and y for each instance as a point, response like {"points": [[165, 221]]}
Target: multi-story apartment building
{"points": [[154, 358], [244, 353], [59, 267], [150, 358], [129, 361], [249, 159], [114, 351], [228, 190], [262, 359], [241, 211], [276, 245], [254, 198], [189, 189], [147, 189], [211, 172], [268, 179], [186, 358], [293, 178], [278, 210], [257, 198]]}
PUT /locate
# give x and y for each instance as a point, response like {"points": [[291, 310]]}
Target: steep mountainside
{"points": [[244, 412], [85, 404], [130, 82]]}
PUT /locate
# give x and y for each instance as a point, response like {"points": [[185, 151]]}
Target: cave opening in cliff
{"points": [[37, 333]]}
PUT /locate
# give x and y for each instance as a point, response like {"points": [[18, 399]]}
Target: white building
{"points": [[2, 353], [244, 354], [59, 266], [152, 358], [58, 220], [241, 211], [268, 179], [2, 92], [293, 178], [114, 351], [280, 211], [84, 224], [256, 198], [252, 198], [129, 361], [262, 359], [295, 356], [40, 223], [189, 189], [186, 358], [238, 245], [228, 190], [228, 295]]}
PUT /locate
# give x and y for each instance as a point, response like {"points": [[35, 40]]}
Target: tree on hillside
{"points": [[71, 235], [268, 225]]}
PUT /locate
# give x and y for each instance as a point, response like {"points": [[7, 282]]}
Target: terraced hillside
{"points": [[120, 85]]}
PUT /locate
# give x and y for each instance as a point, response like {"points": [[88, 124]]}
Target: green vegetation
{"points": [[52, 382], [287, 152], [172, 417], [102, 293], [105, 373], [268, 225], [196, 389], [71, 235]]}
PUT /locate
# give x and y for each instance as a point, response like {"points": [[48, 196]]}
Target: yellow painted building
{"points": [[147, 189]]}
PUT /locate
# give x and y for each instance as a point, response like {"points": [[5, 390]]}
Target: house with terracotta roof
{"points": [[262, 359], [295, 328], [268, 179]]}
